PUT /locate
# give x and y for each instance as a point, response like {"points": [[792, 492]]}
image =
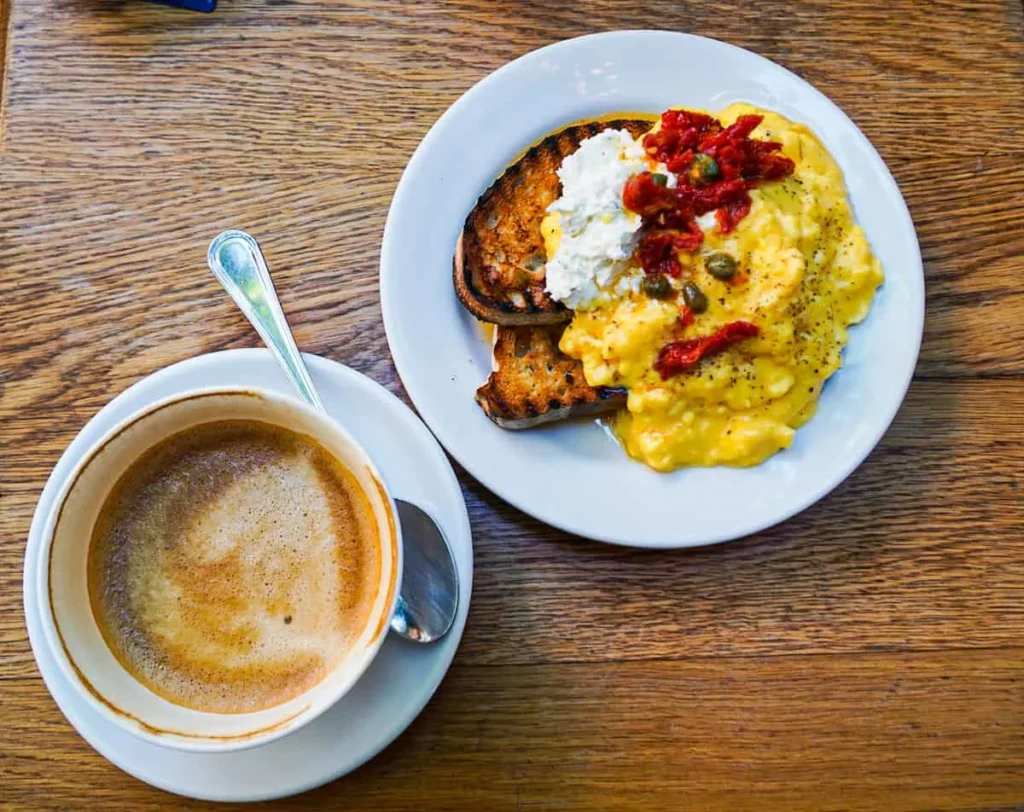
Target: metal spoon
{"points": [[429, 595]]}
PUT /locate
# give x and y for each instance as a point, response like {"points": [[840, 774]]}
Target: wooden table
{"points": [[868, 654]]}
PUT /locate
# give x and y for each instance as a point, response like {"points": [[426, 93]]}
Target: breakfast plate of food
{"points": [[652, 289]]}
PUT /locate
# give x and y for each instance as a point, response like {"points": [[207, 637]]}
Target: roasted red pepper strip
{"points": [[686, 317], [682, 356]]}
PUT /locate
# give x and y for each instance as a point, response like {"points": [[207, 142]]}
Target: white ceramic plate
{"points": [[402, 677], [575, 476]]}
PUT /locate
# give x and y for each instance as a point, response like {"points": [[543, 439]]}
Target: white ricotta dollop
{"points": [[598, 234], [707, 221]]}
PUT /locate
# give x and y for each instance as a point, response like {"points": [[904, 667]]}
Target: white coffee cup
{"points": [[71, 629]]}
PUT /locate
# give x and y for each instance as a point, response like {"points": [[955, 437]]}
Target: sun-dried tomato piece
{"points": [[732, 212], [732, 134], [682, 356], [733, 163], [688, 120], [658, 249], [686, 317], [688, 237], [677, 138], [698, 200], [680, 162], [658, 254], [771, 166], [643, 195]]}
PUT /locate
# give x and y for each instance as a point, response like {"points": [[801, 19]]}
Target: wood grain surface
{"points": [[868, 654]]}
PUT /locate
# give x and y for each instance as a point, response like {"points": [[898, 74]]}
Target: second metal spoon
{"points": [[428, 597]]}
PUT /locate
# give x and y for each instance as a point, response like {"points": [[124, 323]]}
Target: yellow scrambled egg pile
{"points": [[810, 275]]}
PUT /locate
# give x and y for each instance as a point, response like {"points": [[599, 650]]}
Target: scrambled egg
{"points": [[810, 274]]}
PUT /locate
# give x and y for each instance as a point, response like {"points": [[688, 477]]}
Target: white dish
{"points": [[402, 677], [575, 476]]}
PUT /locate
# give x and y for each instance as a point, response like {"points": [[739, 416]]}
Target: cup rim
{"points": [[181, 740]]}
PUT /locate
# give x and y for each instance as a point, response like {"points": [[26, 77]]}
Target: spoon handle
{"points": [[237, 262]]}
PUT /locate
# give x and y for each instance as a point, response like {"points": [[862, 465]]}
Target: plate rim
{"points": [[551, 517]]}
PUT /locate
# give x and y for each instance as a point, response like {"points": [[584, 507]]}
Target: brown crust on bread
{"points": [[534, 382], [499, 256]]}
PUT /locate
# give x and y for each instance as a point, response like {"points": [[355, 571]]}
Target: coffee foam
{"points": [[233, 566]]}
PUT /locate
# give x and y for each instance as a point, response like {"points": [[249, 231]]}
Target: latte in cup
{"points": [[233, 566]]}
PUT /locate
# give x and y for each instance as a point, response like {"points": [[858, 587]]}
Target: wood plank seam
{"points": [[5, 55]]}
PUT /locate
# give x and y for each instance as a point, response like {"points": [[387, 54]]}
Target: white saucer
{"points": [[401, 679], [573, 475]]}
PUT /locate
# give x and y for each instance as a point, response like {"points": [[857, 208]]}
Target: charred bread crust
{"points": [[534, 382], [498, 270]]}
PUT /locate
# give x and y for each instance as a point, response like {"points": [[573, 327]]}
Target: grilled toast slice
{"points": [[499, 256], [534, 382]]}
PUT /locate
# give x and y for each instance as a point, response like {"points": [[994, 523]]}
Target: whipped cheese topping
{"points": [[598, 235], [707, 221]]}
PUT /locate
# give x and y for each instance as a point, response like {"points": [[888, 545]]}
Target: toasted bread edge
{"points": [[494, 310]]}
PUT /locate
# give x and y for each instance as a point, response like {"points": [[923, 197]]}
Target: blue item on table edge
{"points": [[195, 5]]}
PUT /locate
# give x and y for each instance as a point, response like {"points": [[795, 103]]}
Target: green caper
{"points": [[659, 178], [694, 298], [703, 170], [721, 266], [656, 286]]}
